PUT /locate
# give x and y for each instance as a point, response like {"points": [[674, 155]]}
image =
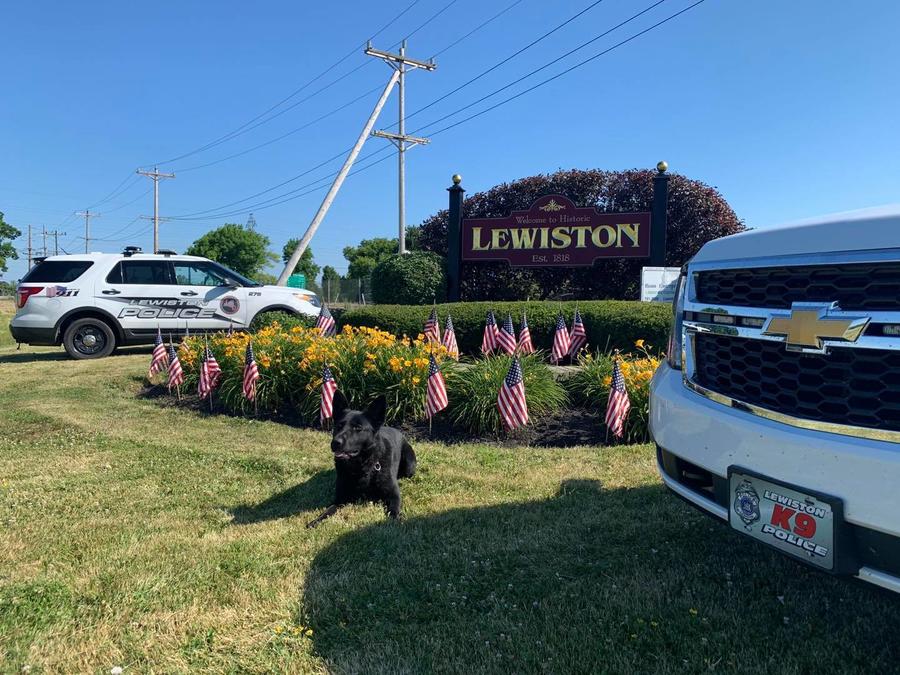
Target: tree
{"points": [[331, 283], [244, 251], [696, 214], [413, 279], [307, 267], [369, 253], [7, 234]]}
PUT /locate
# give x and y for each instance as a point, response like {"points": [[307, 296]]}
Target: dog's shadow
{"points": [[315, 493]]}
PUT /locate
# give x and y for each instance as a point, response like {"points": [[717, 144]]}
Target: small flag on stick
{"points": [[560, 341], [511, 399], [618, 404], [325, 322], [432, 329], [176, 374], [577, 336], [506, 337], [159, 360], [210, 373], [436, 394], [449, 339], [251, 374], [329, 386], [525, 345], [489, 340]]}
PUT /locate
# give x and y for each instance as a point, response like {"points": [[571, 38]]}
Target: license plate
{"points": [[793, 520]]}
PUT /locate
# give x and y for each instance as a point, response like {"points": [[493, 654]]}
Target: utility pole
{"points": [[155, 175], [87, 227], [44, 235], [56, 234], [338, 181], [401, 64], [30, 251]]}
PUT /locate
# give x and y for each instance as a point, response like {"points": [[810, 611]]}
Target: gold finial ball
{"points": [[457, 179], [661, 166]]}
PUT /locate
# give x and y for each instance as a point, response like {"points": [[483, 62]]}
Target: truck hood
{"points": [[867, 229]]}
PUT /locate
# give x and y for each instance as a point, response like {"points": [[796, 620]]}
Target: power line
{"points": [[302, 191], [249, 125], [543, 67]]}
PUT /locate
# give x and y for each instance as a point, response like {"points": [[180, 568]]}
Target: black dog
{"points": [[369, 458]]}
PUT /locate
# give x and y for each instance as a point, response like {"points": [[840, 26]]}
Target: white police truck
{"points": [[778, 410], [95, 302]]}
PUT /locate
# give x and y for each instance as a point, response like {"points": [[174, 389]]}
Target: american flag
{"points": [[577, 336], [449, 340], [329, 386], [210, 372], [560, 340], [176, 374], [325, 323], [159, 360], [525, 345], [436, 394], [251, 374], [618, 404], [506, 337], [489, 341], [432, 328], [511, 399]]}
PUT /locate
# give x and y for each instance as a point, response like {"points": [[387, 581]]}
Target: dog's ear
{"points": [[339, 404], [376, 411]]}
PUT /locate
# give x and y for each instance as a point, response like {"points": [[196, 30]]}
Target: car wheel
{"points": [[89, 338]]}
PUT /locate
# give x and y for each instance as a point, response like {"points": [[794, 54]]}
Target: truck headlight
{"points": [[673, 350]]}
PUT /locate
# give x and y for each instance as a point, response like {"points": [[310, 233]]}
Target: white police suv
{"points": [[94, 302]]}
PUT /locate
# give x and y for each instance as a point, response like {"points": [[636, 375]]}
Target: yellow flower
{"points": [[416, 380], [639, 343]]}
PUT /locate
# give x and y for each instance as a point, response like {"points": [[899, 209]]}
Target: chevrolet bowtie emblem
{"points": [[809, 324]]}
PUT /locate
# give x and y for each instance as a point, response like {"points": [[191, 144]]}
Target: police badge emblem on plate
{"points": [[746, 503]]}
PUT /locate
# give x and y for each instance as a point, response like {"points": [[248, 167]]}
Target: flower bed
{"points": [[367, 362]]}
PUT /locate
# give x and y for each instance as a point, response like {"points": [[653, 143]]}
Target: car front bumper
{"points": [[699, 439]]}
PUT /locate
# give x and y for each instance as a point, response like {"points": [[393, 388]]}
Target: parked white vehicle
{"points": [[779, 407], [94, 302]]}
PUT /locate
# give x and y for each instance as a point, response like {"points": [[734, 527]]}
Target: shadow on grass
{"points": [[590, 580], [315, 493], [30, 356]]}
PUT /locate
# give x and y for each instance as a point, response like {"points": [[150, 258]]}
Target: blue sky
{"points": [[789, 108]]}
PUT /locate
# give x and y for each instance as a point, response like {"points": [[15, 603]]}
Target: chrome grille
{"points": [[870, 286], [852, 388]]}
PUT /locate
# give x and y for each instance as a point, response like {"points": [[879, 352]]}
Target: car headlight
{"points": [[311, 299], [677, 330]]}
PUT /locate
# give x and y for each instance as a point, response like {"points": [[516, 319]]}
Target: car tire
{"points": [[89, 338]]}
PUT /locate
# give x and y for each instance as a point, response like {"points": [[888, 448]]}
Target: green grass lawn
{"points": [[153, 538]]}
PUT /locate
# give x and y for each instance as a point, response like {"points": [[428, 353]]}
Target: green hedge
{"points": [[409, 279], [610, 324]]}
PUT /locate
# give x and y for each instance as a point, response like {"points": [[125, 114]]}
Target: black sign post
{"points": [[658, 216], [454, 229]]}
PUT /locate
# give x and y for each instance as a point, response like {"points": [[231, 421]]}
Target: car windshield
{"points": [[231, 275]]}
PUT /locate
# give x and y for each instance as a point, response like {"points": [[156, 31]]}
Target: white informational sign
{"points": [[658, 283]]}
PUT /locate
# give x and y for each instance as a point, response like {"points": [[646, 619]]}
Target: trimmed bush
{"points": [[610, 324], [472, 392], [410, 279]]}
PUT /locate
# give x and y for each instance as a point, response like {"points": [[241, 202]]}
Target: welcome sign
{"points": [[556, 232]]}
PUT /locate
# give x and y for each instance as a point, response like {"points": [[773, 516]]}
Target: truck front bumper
{"points": [[698, 439]]}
